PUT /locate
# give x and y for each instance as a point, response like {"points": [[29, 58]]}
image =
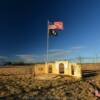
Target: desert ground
{"points": [[50, 87]]}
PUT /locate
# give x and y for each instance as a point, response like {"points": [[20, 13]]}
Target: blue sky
{"points": [[23, 28]]}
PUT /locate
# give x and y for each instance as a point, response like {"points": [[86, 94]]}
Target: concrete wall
{"points": [[77, 70], [54, 69], [67, 68], [39, 69]]}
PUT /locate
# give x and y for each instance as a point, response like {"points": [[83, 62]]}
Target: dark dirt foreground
{"points": [[58, 88]]}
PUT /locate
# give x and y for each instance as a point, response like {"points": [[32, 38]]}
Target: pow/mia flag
{"points": [[53, 33]]}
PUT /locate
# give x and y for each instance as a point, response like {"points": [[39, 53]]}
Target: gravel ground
{"points": [[57, 88]]}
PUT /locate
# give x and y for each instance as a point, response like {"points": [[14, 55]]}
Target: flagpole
{"points": [[47, 41], [54, 26]]}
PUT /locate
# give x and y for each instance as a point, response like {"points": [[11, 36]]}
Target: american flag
{"points": [[57, 25]]}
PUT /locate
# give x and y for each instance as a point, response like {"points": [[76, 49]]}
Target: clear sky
{"points": [[23, 27]]}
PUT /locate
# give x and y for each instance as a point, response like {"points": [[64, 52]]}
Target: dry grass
{"points": [[20, 86], [25, 87]]}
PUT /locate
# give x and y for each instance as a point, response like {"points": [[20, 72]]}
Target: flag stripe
{"points": [[59, 25], [51, 27]]}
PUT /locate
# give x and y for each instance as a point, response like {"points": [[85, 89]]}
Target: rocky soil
{"points": [[60, 88]]}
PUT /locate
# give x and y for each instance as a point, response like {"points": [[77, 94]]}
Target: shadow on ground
{"points": [[89, 73]]}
